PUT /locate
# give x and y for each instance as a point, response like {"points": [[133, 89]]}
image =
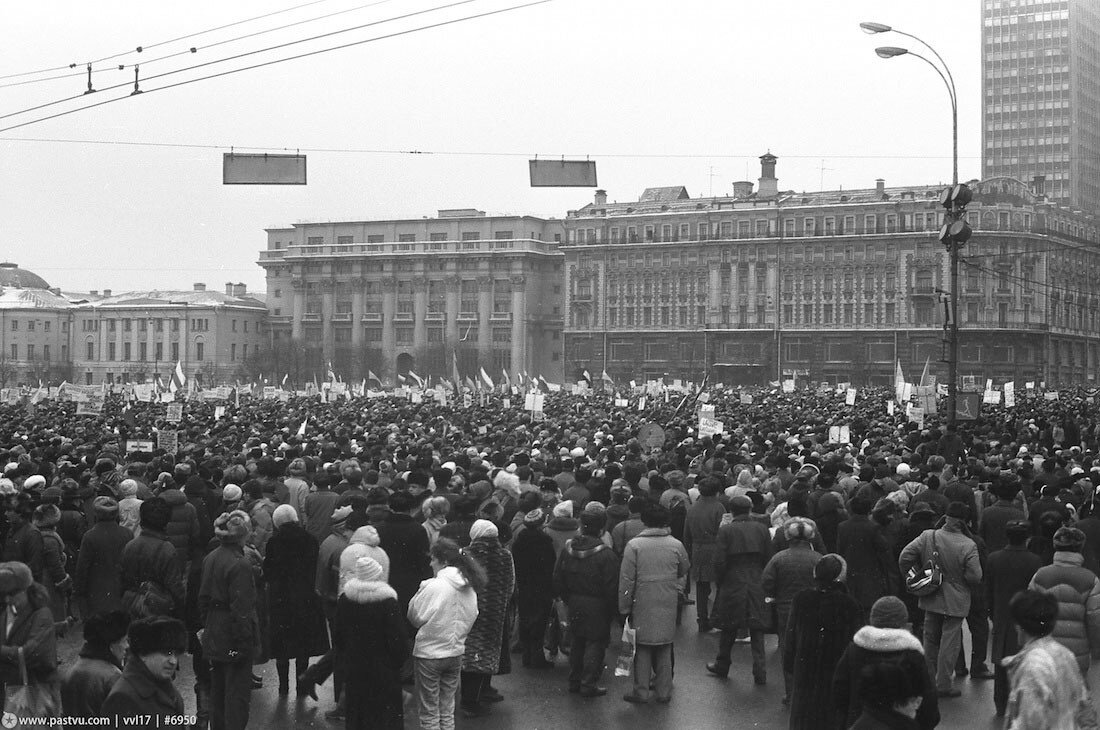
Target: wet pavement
{"points": [[538, 699]]}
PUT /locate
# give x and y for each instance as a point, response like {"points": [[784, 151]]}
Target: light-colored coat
{"points": [[1046, 688], [958, 559], [653, 574], [443, 611], [1078, 592]]}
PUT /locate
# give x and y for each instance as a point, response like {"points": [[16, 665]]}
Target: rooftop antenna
{"points": [[712, 181], [821, 182]]}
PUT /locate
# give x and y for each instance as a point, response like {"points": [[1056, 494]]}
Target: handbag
{"points": [[624, 665], [31, 700], [925, 581]]}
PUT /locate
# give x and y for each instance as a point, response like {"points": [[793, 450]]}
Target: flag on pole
{"points": [[486, 379], [899, 383], [178, 379], [285, 377], [924, 375], [372, 376], [507, 380], [587, 377], [607, 378], [417, 378], [401, 378], [470, 383], [302, 429], [454, 370]]}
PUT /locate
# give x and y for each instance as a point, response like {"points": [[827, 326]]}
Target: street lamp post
{"points": [[953, 235]]}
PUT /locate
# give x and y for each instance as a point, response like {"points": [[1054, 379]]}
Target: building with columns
{"points": [[390, 296], [763, 285]]}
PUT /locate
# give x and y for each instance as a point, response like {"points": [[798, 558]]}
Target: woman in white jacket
{"points": [[443, 611]]}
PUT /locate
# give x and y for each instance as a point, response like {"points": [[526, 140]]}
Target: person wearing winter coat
{"points": [[406, 544], [886, 638], [823, 621], [945, 609], [1008, 571], [371, 632], [743, 549], [788, 573], [996, 517], [1047, 688], [891, 693], [481, 658], [259, 507], [626, 530], [563, 526], [227, 602], [1078, 592], [294, 489], [443, 611], [150, 557], [701, 540], [23, 542], [56, 579], [28, 627], [434, 510], [365, 542], [534, 558], [86, 683], [129, 506], [297, 623], [319, 506], [145, 687], [652, 578], [183, 530], [861, 543], [97, 581], [586, 577]]}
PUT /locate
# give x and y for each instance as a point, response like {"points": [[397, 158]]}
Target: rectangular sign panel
{"points": [[563, 174], [263, 169]]}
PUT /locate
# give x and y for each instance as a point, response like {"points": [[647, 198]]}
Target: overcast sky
{"points": [[659, 93]]}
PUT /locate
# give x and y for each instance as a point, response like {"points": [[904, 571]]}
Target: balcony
{"points": [[435, 316], [341, 317], [403, 317], [923, 290], [311, 317], [467, 316], [372, 317], [501, 317]]}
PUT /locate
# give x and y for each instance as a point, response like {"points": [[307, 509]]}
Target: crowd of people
{"points": [[408, 553]]}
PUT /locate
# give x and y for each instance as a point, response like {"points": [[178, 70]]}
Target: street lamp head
{"points": [[872, 28], [890, 51]]}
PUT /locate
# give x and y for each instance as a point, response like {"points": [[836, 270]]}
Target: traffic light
{"points": [[955, 231]]}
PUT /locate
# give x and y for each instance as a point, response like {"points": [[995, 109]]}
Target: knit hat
{"points": [[564, 509], [366, 535], [534, 518], [800, 528], [46, 515], [832, 568], [483, 528], [49, 494], [367, 569], [903, 470], [105, 507], [283, 514], [127, 488], [594, 507], [1068, 538], [14, 577], [232, 493], [340, 515], [157, 634], [232, 527], [889, 612]]}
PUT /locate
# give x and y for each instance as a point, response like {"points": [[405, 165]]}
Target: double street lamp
{"points": [[955, 231]]}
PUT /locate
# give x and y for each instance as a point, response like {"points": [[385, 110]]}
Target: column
{"points": [[714, 294], [328, 309], [357, 285], [389, 306], [484, 310], [519, 323], [299, 286], [169, 363], [420, 313], [752, 293], [453, 286], [120, 340]]}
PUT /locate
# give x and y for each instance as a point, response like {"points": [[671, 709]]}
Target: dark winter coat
{"points": [[789, 572], [861, 543], [374, 643], [994, 518], [533, 556], [483, 644], [150, 556], [56, 578], [561, 530], [743, 549], [183, 531], [407, 546], [318, 513], [822, 624], [33, 629], [873, 719], [870, 645], [97, 581], [458, 529], [1008, 572], [227, 602], [24, 544], [71, 528], [296, 621], [586, 577], [86, 683], [138, 692], [195, 491], [701, 536]]}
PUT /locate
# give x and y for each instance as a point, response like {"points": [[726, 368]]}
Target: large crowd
{"points": [[409, 552]]}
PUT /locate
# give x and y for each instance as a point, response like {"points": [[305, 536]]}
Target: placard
{"points": [[889, 407], [507, 403], [710, 427], [139, 445], [850, 397], [746, 399], [168, 441], [219, 412], [175, 413], [651, 436], [788, 386], [641, 403], [968, 406], [916, 415]]}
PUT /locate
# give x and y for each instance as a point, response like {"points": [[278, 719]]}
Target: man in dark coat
{"points": [[231, 638], [24, 542], [150, 557], [183, 529], [1008, 571], [97, 582], [861, 543], [145, 687], [743, 549], [533, 555], [406, 544], [996, 516], [700, 538], [586, 577], [86, 683]]}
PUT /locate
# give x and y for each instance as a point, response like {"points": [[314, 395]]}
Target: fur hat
{"points": [[283, 514], [104, 629], [832, 568], [232, 527], [564, 509], [958, 511], [14, 577], [800, 528], [105, 507], [155, 514], [340, 515], [46, 515], [127, 488], [889, 612], [1069, 538], [157, 634], [483, 528], [232, 493], [34, 481]]}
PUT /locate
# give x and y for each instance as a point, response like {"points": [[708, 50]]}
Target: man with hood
{"points": [[586, 577]]}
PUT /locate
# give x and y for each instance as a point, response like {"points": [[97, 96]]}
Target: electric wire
{"points": [[232, 58], [409, 31], [1032, 282]]}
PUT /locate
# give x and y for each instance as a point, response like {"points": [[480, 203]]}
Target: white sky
{"points": [[717, 82]]}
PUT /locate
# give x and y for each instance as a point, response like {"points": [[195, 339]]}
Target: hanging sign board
{"points": [[563, 173], [263, 169]]}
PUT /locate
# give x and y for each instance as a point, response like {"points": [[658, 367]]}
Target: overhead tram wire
{"points": [[233, 58], [190, 51], [171, 40], [272, 62]]}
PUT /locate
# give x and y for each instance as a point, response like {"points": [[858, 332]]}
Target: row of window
{"points": [[143, 351], [33, 353], [141, 324], [411, 238], [31, 324]]}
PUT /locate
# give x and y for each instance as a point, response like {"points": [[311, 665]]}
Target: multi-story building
{"points": [[834, 286], [34, 329], [1041, 97], [132, 337], [390, 296]]}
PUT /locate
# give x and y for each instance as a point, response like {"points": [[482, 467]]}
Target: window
{"points": [[30, 325], [30, 352], [46, 325], [244, 351], [14, 325], [175, 351], [403, 335], [233, 351], [126, 350], [344, 240], [199, 348], [143, 351], [64, 353], [46, 353], [110, 351], [315, 240], [112, 325], [233, 325], [373, 334], [159, 350], [246, 326], [90, 351], [15, 352], [127, 325]]}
